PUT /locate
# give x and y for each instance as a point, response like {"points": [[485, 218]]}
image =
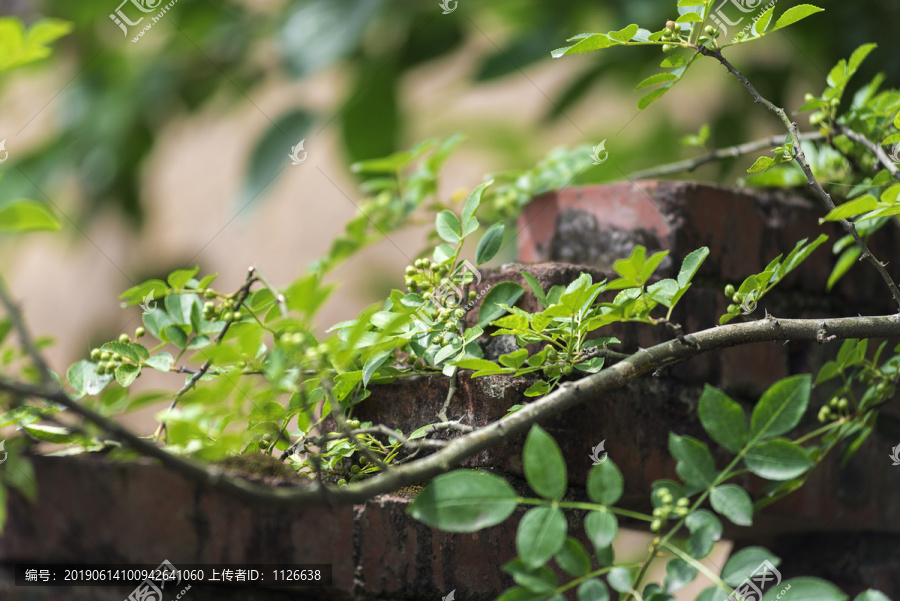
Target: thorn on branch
{"points": [[822, 337]]}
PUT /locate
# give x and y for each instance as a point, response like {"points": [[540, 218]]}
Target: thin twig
{"points": [[242, 293], [451, 390], [800, 157], [279, 297], [878, 151], [717, 155], [338, 412], [24, 337]]}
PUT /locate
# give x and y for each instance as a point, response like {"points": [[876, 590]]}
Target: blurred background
{"points": [[171, 149]]}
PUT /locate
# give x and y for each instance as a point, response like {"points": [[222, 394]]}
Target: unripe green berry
{"points": [[105, 356], [459, 313], [410, 270], [736, 299], [729, 290], [355, 469], [228, 316], [833, 403], [435, 268], [844, 405], [209, 293], [683, 502], [567, 370], [472, 295], [823, 415], [668, 47], [656, 526], [733, 308], [237, 316], [123, 338], [95, 355], [658, 512], [342, 482], [353, 423], [709, 30], [665, 496], [682, 511], [139, 333]]}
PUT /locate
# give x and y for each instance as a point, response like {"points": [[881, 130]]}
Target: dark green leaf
{"points": [[723, 419], [271, 155], [706, 530], [695, 464], [573, 559], [541, 534], [489, 244], [605, 483], [780, 408], [678, 574], [504, 293], [448, 227], [777, 459], [126, 374], [601, 527], [619, 579], [733, 502], [743, 563], [544, 466], [806, 589], [464, 501], [593, 590]]}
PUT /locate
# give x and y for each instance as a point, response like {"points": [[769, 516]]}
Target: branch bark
{"points": [[590, 388], [800, 157]]}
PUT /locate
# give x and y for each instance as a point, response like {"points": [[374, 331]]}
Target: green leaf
{"points": [[723, 419], [535, 288], [601, 527], [536, 580], [619, 579], [126, 374], [852, 208], [761, 164], [179, 278], [777, 459], [742, 564], [448, 227], [174, 334], [652, 97], [678, 574], [374, 362], [593, 590], [625, 34], [573, 558], [489, 245], [504, 293], [794, 14], [806, 589], [762, 23], [695, 464], [160, 362], [464, 501], [733, 502], [780, 408], [691, 264], [54, 434], [706, 530], [655, 79], [540, 535], [586, 43], [544, 466], [24, 215], [605, 483], [539, 388], [871, 595], [126, 349], [469, 221]]}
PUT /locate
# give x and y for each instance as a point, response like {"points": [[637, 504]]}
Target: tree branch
{"points": [[878, 151], [590, 388], [800, 157], [718, 154]]}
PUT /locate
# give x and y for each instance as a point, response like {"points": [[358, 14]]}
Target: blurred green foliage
{"points": [[116, 96]]}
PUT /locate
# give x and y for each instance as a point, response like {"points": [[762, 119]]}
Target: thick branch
{"points": [[800, 157], [717, 155], [588, 389]]}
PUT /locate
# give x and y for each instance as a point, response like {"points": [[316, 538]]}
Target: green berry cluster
{"points": [[554, 365], [672, 35], [107, 361], [835, 409], [737, 299], [433, 282], [669, 507], [225, 311], [709, 33]]}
